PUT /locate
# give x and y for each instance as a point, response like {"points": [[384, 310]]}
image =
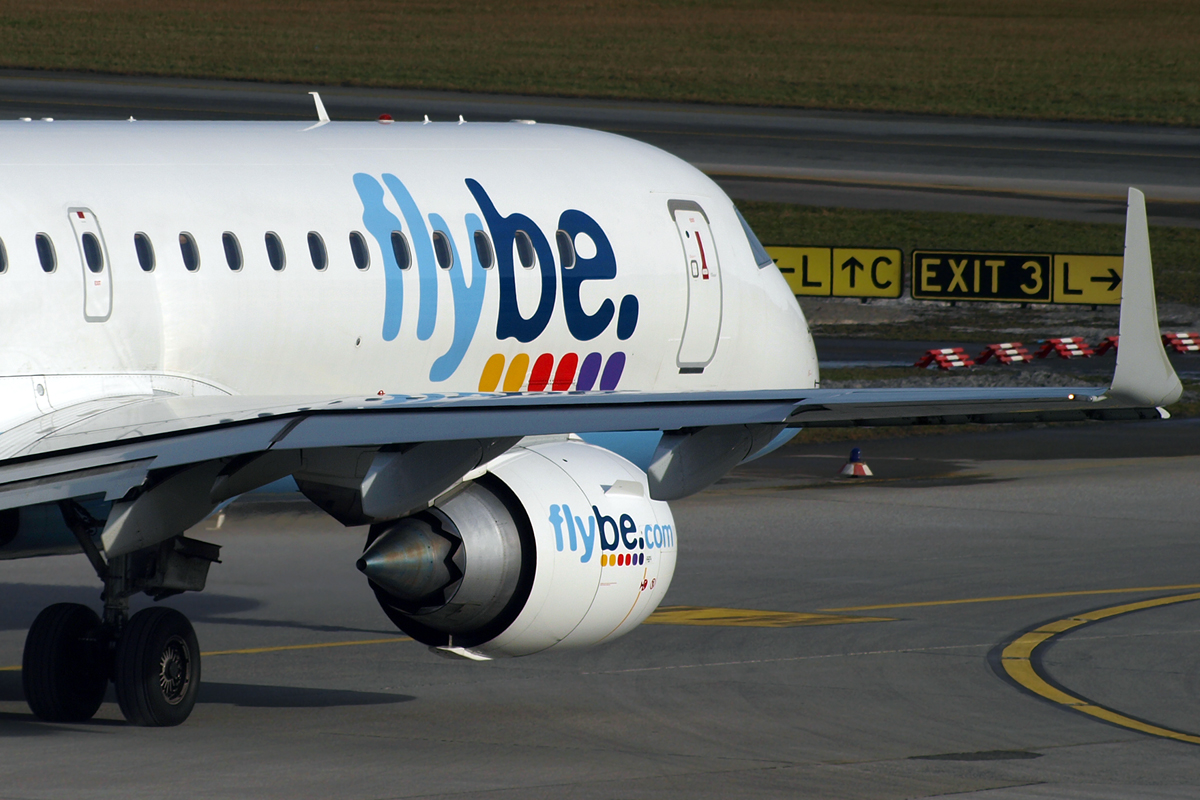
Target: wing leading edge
{"points": [[110, 446]]}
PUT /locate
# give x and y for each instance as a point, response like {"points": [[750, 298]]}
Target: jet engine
{"points": [[550, 545]]}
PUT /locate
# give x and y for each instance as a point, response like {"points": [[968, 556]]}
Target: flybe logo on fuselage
{"points": [[585, 533], [506, 233]]}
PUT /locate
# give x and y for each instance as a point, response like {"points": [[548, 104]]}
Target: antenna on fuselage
{"points": [[322, 114]]}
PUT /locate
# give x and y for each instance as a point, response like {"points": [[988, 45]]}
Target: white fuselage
{"points": [[79, 334]]}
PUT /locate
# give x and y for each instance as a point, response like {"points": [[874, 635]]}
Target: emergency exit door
{"points": [[93, 257], [702, 327]]}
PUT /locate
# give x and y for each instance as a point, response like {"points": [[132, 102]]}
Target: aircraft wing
{"points": [[111, 445]]}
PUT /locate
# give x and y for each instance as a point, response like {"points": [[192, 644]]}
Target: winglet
{"points": [[1144, 376]]}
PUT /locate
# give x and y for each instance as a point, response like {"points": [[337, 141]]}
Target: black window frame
{"points": [[442, 251], [145, 251], [566, 249], [46, 252], [235, 259], [519, 238], [93, 252], [761, 257], [484, 250], [272, 256], [317, 242], [400, 247], [188, 242], [358, 245]]}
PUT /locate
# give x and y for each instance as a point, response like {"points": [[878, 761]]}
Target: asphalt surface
{"points": [[876, 161], [326, 699], [916, 704]]}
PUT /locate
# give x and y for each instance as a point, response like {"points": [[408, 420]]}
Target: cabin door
{"points": [[93, 257], [702, 328]]}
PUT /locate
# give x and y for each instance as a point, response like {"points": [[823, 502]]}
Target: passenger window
{"points": [[46, 254], [566, 249], [358, 249], [525, 251], [92, 253], [3, 257], [275, 251], [233, 250], [316, 249], [441, 249], [145, 251], [401, 251], [191, 253], [483, 248]]}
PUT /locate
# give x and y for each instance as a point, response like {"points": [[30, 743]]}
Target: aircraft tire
{"points": [[157, 669], [63, 669]]}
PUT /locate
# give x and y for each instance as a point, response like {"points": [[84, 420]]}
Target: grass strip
{"points": [[1111, 60]]}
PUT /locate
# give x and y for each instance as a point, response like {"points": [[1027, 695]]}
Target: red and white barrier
{"points": [[1108, 343], [1069, 347], [945, 358], [1005, 353], [1182, 342]]}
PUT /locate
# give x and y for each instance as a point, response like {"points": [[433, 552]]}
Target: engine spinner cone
{"points": [[412, 562]]}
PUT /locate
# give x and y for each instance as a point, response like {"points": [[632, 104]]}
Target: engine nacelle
{"points": [[557, 545]]}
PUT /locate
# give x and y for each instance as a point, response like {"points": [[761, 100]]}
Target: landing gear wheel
{"points": [[157, 670], [63, 669]]}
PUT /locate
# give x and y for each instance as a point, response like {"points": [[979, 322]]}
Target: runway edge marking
{"points": [[1020, 662]]}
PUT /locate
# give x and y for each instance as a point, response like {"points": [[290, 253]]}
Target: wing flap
{"points": [[838, 407]]}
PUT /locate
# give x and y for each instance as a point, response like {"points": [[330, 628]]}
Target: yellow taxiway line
{"points": [[748, 618], [737, 617], [1021, 662], [251, 651], [1008, 597]]}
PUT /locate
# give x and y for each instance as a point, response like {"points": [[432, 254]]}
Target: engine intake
{"points": [[558, 545], [455, 570]]}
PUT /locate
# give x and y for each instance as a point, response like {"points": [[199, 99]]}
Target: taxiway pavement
{"points": [[1074, 171], [962, 543]]}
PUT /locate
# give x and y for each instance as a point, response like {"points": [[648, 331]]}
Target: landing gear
{"points": [[70, 655], [64, 670], [68, 660], [152, 658], [157, 668]]}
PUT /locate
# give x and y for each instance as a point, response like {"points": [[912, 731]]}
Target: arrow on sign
{"points": [[1113, 280], [852, 265]]}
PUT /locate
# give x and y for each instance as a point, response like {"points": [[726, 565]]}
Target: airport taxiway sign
{"points": [[860, 272], [987, 277], [1088, 280], [841, 271]]}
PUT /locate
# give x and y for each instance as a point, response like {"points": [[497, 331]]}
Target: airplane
{"points": [[505, 347]]}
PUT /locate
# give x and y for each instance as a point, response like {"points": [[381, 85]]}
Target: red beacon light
{"points": [[385, 119]]}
